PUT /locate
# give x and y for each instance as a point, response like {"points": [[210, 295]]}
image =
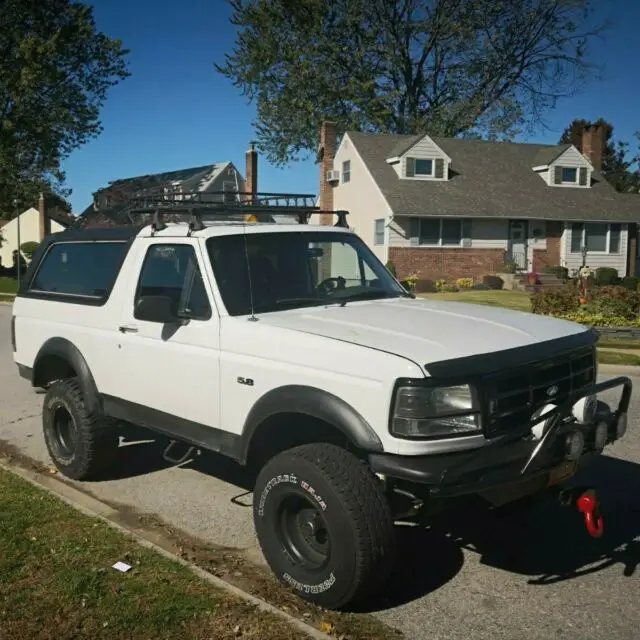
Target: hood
{"points": [[429, 331]]}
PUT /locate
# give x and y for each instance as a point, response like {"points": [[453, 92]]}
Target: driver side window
{"points": [[172, 270]]}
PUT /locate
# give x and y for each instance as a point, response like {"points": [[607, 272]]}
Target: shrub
{"points": [[610, 307], [441, 284], [555, 301], [493, 282], [606, 276], [509, 266], [616, 292], [560, 272], [464, 283], [595, 320], [630, 282], [391, 268], [425, 286]]}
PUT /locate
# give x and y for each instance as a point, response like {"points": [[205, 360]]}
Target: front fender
{"points": [[315, 403]]}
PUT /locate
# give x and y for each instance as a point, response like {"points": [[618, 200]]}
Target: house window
{"points": [[437, 232], [424, 167], [346, 171], [378, 235], [569, 175], [229, 189], [596, 237]]}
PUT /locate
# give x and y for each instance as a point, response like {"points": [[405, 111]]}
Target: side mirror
{"points": [[155, 309]]}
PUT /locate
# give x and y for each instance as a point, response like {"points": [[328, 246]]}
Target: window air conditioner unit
{"points": [[333, 176]]}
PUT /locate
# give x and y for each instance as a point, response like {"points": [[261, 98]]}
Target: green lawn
{"points": [[57, 581], [8, 285], [615, 357], [518, 300]]}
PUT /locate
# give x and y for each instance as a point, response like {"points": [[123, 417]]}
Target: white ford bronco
{"points": [[290, 348]]}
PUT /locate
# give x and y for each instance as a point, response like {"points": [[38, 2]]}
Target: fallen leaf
{"points": [[326, 627]]}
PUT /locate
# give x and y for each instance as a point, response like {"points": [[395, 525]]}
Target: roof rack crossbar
{"points": [[198, 205]]}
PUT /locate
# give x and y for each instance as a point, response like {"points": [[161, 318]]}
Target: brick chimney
{"points": [[251, 180], [44, 223], [326, 155], [593, 144]]}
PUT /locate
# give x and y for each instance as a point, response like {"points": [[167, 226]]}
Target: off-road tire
{"points": [[355, 512], [96, 441]]}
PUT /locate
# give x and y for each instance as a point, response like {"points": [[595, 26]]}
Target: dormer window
{"points": [[569, 175], [424, 167]]}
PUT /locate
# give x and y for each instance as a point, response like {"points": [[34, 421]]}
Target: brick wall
{"points": [[549, 257], [448, 264]]}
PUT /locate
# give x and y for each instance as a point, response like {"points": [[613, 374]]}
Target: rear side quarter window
{"points": [[82, 272]]}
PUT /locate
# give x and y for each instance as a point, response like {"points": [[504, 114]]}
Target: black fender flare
{"points": [[67, 351], [315, 403]]}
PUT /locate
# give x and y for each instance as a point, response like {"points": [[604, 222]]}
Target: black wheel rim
{"points": [[64, 432], [302, 530]]}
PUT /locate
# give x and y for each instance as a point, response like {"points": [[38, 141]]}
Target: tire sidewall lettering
{"points": [[310, 588], [289, 478]]}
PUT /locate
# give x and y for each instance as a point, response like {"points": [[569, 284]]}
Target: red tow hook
{"points": [[587, 503]]}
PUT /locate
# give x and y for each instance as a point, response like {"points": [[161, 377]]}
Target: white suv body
{"points": [[417, 389]]}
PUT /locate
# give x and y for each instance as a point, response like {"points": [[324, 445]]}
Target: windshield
{"points": [[288, 270]]}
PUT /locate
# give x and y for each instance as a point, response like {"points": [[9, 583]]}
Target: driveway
{"points": [[535, 575]]}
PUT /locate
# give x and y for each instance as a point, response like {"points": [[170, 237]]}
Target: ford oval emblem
{"points": [[551, 391]]}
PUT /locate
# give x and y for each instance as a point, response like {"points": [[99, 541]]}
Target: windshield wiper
{"points": [[372, 295]]}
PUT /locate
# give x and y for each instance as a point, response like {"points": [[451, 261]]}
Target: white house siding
{"points": [[424, 149], [361, 197], [29, 232], [570, 158], [594, 260]]}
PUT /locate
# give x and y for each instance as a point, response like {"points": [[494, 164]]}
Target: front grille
{"points": [[514, 395]]}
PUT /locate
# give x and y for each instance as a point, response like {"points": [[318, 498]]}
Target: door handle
{"points": [[127, 328]]}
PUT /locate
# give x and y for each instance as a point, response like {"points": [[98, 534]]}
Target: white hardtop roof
{"points": [[226, 228]]}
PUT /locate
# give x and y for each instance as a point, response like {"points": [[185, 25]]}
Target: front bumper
{"points": [[525, 461]]}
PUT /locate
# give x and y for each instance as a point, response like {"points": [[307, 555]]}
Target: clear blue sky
{"points": [[175, 111]]}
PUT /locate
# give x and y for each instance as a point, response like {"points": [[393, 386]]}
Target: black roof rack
{"points": [[198, 206]]}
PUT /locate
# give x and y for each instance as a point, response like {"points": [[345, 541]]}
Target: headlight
{"points": [[435, 412]]}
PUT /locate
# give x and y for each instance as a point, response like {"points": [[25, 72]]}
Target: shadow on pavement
{"points": [[547, 542]]}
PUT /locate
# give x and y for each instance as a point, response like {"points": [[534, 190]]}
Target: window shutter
{"points": [[439, 170], [411, 167], [466, 232], [557, 177], [583, 176], [414, 231]]}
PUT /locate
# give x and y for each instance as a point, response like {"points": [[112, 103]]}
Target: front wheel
{"points": [[324, 524]]}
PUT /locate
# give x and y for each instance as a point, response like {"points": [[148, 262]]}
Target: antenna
{"points": [[246, 259]]}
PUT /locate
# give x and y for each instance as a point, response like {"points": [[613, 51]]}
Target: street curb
{"points": [[619, 369], [94, 508]]}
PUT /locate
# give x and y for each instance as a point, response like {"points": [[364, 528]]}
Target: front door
{"points": [[518, 242], [171, 369]]}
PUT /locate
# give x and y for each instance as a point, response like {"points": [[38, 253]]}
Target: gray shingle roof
{"points": [[490, 179]]}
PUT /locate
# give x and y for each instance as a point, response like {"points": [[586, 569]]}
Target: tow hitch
{"points": [[585, 501]]}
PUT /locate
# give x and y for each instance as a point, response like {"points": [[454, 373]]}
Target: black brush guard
{"points": [[506, 461]]}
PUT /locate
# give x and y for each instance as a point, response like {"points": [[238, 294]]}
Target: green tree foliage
{"points": [[28, 249], [56, 69], [620, 164], [451, 67]]}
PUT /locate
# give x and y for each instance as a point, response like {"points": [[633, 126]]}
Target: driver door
{"points": [[170, 372]]}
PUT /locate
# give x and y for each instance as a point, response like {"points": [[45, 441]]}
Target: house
{"points": [[34, 224], [109, 206], [449, 208]]}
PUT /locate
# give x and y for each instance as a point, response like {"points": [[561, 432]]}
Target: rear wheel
{"points": [[82, 445], [324, 525]]}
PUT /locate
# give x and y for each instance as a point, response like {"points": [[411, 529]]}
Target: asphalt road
{"points": [[534, 576]]}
